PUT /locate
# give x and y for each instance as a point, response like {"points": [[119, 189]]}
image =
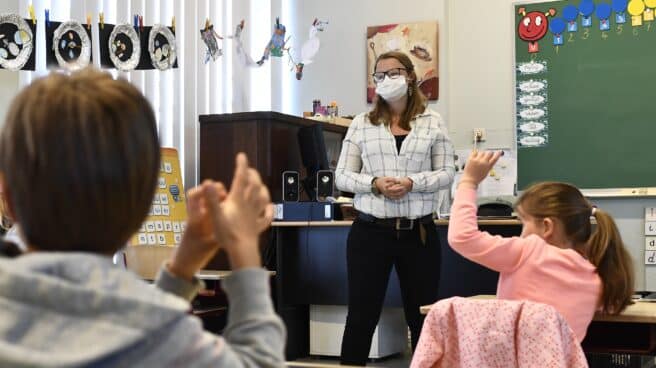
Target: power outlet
{"points": [[479, 135]]}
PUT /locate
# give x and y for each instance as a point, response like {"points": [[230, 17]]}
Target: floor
{"points": [[395, 361]]}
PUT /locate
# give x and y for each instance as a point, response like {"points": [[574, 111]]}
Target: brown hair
{"points": [[603, 247], [80, 159], [416, 100]]}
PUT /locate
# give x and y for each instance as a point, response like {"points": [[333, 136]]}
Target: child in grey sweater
{"points": [[79, 161]]}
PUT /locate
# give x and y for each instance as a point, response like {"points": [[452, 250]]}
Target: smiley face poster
{"points": [[533, 27]]}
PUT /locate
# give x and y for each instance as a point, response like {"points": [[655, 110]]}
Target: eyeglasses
{"points": [[392, 74]]}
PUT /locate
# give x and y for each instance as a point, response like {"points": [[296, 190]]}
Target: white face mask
{"points": [[392, 89]]}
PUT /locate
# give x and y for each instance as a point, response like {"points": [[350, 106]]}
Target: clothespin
{"points": [[47, 18], [30, 9], [173, 23], [88, 21], [141, 23], [207, 23], [135, 22], [101, 17]]}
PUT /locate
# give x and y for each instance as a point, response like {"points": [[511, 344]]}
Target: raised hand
{"points": [[478, 167]]}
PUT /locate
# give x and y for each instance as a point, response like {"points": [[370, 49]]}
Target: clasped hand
{"points": [[218, 219], [393, 188]]}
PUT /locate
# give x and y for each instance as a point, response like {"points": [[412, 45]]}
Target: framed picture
{"points": [[418, 41]]}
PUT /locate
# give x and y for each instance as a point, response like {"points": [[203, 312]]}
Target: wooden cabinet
{"points": [[270, 140]]}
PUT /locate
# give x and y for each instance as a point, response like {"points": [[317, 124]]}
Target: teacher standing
{"points": [[396, 159]]}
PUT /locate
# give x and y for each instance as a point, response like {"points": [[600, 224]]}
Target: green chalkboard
{"points": [[599, 99]]}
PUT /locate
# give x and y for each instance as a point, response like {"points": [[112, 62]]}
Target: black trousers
{"points": [[372, 250]]}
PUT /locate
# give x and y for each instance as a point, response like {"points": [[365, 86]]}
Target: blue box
{"points": [[303, 211]]}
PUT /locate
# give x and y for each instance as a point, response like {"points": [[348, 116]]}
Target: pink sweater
{"points": [[460, 332], [529, 268]]}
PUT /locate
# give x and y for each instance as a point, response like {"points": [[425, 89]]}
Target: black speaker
{"points": [[325, 184], [290, 186]]}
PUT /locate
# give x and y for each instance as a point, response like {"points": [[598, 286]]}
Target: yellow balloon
{"points": [[650, 3], [636, 7]]}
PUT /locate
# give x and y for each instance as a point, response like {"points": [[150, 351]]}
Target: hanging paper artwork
{"points": [[648, 15], [211, 40], [124, 47], [557, 27], [533, 26], [276, 46], [636, 8], [586, 8], [619, 7], [310, 47], [571, 13], [417, 40], [603, 13], [242, 55], [71, 45], [161, 47], [16, 42]]}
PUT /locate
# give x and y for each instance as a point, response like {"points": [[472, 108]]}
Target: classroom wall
{"points": [[339, 73], [476, 79], [8, 80]]}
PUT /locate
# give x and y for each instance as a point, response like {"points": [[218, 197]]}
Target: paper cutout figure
{"points": [[619, 7], [276, 46], [240, 51], [586, 7], [310, 47], [636, 8], [533, 26], [570, 13], [603, 13], [210, 38], [649, 11], [557, 27]]}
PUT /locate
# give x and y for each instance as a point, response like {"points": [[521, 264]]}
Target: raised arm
{"points": [[495, 252]]}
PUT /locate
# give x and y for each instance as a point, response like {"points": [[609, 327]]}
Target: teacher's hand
{"points": [[396, 188]]}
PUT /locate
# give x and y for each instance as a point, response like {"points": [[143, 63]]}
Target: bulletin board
{"points": [[585, 100], [167, 216]]}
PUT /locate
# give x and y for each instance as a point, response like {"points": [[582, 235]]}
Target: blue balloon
{"points": [[586, 7], [603, 11], [619, 6], [557, 25], [570, 13]]}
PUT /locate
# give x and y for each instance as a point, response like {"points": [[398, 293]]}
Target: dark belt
{"points": [[398, 223]]}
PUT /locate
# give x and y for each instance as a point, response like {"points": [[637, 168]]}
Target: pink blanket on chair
{"points": [[461, 332]]}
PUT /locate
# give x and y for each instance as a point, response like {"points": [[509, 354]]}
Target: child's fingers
{"points": [[265, 220], [194, 197], [495, 157], [221, 191], [213, 204], [240, 179]]}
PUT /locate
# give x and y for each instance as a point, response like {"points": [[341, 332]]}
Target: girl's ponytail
{"points": [[606, 251]]}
